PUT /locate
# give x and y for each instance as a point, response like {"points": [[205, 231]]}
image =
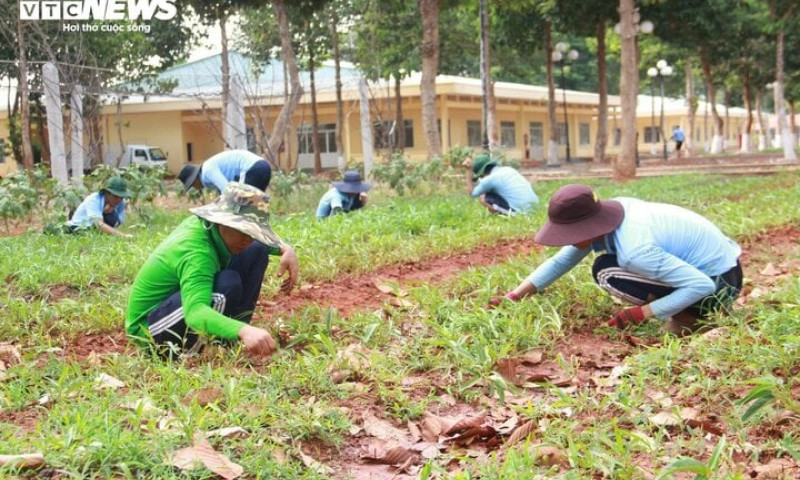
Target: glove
{"points": [[632, 315], [495, 301]]}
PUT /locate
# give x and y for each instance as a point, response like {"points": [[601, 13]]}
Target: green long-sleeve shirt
{"points": [[186, 261]]}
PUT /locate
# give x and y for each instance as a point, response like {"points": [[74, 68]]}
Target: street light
{"points": [[661, 70], [560, 56]]}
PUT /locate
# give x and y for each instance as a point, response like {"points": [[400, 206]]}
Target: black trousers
{"points": [[236, 290], [636, 289]]}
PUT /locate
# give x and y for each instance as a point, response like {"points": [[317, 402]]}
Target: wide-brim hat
{"points": [[351, 183], [118, 186], [188, 175], [244, 208], [480, 164], [575, 214]]}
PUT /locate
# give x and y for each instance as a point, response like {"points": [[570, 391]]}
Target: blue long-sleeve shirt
{"points": [[661, 242], [335, 199], [511, 185], [227, 166], [91, 210]]}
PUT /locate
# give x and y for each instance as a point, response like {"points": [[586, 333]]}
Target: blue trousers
{"points": [[640, 290], [236, 290], [259, 175]]}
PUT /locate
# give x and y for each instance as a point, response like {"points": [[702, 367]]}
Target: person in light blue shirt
{"points": [[345, 196], [104, 210], [668, 261], [502, 190], [228, 166], [679, 136]]}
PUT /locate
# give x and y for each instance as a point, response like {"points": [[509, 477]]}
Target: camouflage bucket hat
{"points": [[244, 208]]}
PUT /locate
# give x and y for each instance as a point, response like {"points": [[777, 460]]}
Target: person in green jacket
{"points": [[204, 281]]}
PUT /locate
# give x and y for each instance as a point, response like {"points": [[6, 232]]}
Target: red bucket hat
{"points": [[575, 214]]}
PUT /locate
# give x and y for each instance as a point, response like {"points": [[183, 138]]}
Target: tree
{"points": [[782, 13], [429, 49], [624, 166]]}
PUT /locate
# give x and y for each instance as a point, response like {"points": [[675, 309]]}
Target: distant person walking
{"points": [[345, 196], [502, 190], [229, 166], [679, 136]]}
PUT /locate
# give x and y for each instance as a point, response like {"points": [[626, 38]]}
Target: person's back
{"points": [[677, 231], [227, 166], [512, 186]]}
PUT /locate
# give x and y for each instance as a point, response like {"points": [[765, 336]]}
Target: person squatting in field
{"points": [[204, 280], [346, 196], [228, 166], [502, 190], [668, 261], [104, 210]]}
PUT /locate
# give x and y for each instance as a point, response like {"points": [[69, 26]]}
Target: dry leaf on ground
{"points": [[507, 368], [314, 464], [228, 432], [777, 468], [532, 357], [202, 452], [392, 456], [549, 456], [467, 423], [204, 396], [770, 271], [22, 461], [381, 429], [665, 419], [105, 380], [522, 432]]}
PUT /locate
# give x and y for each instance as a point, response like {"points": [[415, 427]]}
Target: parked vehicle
{"points": [[142, 155]]}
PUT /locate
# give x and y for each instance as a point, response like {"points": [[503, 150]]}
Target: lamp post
{"points": [[560, 56], [661, 70]]}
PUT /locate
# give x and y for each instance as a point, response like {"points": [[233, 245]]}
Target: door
{"points": [[536, 140]]}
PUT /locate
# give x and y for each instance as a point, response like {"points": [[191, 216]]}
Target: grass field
{"points": [[413, 379]]}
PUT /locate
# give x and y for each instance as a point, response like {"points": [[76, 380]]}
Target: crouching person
{"points": [[204, 279], [103, 210], [669, 262], [346, 196]]}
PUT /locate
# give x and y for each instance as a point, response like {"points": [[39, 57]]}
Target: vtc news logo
{"points": [[97, 9]]}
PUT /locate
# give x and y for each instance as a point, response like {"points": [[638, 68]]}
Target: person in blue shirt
{"points": [[502, 190], [679, 136], [670, 262], [104, 210], [229, 166], [345, 196]]}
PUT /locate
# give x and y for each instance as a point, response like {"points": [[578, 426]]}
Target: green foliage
{"points": [[402, 176], [457, 154], [18, 198]]}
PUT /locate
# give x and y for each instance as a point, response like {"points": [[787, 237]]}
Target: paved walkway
{"points": [[756, 164]]}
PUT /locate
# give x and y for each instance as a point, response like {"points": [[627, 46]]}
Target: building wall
{"points": [[159, 129], [7, 162]]}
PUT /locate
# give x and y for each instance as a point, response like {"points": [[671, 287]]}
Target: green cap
{"points": [[118, 186], [480, 164], [244, 208]]}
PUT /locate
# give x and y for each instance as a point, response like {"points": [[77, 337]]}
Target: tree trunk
{"points": [[314, 114], [748, 103], [226, 79], [601, 140], [711, 100], [399, 120], [691, 104], [489, 106], [119, 133], [552, 142], [780, 109], [762, 125], [25, 110], [429, 11], [342, 164], [624, 168], [283, 123]]}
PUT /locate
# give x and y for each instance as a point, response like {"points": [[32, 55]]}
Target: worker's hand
{"points": [[632, 315], [362, 197], [467, 163], [288, 264], [257, 341], [496, 301]]}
